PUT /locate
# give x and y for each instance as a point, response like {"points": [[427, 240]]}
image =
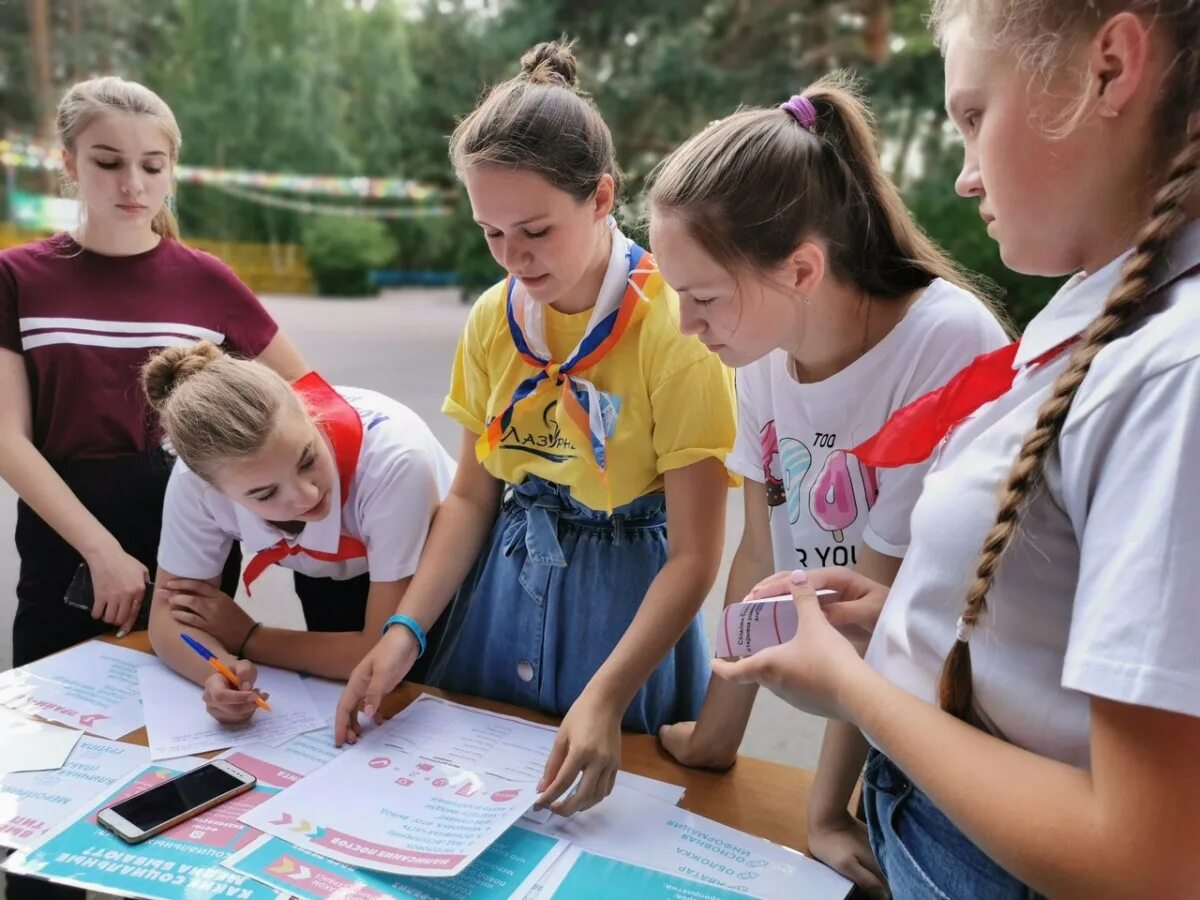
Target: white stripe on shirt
{"points": [[196, 332], [48, 338]]}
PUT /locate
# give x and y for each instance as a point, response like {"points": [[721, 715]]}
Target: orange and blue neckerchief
{"points": [[578, 398]]}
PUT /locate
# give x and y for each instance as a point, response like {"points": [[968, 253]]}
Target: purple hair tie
{"points": [[802, 110]]}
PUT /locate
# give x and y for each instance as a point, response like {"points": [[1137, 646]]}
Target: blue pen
{"points": [[207, 654]]}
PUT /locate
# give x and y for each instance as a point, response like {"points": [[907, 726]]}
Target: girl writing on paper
{"points": [[337, 484]]}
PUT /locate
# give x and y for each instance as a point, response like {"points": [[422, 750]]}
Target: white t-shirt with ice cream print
{"points": [[794, 437]]}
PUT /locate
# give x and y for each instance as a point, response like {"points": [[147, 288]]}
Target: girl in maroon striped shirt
{"points": [[79, 314]]}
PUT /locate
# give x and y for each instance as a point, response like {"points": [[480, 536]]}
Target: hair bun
{"points": [[551, 62], [169, 368]]}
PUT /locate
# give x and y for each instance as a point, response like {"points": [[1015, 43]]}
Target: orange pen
{"points": [[221, 667]]}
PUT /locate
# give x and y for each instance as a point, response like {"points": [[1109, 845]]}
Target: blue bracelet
{"points": [[412, 625]]}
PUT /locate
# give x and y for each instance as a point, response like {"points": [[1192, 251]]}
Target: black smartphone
{"points": [[81, 595], [166, 805]]}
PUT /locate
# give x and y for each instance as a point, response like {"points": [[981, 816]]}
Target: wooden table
{"points": [[756, 796]]}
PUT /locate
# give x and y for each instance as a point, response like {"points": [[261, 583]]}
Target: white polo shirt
{"points": [[403, 473], [1099, 594]]}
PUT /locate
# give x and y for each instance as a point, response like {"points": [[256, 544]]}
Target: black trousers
{"points": [[126, 495]]}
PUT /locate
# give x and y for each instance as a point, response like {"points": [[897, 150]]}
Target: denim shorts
{"points": [[922, 854]]}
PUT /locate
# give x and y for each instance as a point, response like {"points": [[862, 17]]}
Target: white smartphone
{"points": [[166, 805]]}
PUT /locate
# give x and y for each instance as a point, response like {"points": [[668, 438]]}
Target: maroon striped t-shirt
{"points": [[85, 324]]}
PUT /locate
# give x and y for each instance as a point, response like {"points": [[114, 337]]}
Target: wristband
{"points": [[412, 625], [241, 653]]}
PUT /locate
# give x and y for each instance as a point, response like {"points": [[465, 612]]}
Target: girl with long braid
{"points": [[1042, 737]]}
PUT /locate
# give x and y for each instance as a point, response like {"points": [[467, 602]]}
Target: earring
{"points": [[1106, 109]]}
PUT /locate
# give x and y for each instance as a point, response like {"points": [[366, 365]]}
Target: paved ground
{"points": [[402, 344]]}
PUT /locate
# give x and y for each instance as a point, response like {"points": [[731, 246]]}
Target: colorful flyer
{"points": [[454, 779], [32, 804], [579, 875], [510, 867], [93, 686], [636, 828], [426, 818], [180, 864]]}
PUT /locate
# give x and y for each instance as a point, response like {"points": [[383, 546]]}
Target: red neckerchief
{"points": [[912, 432], [342, 425]]}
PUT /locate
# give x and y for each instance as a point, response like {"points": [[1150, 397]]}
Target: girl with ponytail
{"points": [[796, 261], [1034, 705]]}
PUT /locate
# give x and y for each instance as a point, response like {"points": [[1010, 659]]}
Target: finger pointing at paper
{"points": [[806, 670]]}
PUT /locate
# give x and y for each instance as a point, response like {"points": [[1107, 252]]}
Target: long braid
{"points": [[1167, 219]]}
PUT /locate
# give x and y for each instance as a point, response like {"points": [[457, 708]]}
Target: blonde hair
{"points": [[214, 407], [753, 185], [1039, 33], [97, 96], [540, 122]]}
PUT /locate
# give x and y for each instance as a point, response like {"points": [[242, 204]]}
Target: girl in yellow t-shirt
{"points": [[592, 429]]}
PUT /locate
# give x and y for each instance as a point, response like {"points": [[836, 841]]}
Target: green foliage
{"points": [[374, 87], [342, 252]]}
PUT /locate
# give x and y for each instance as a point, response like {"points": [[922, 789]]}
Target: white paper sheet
{"points": [[177, 722], [660, 790], [452, 734], [300, 755], [29, 746], [325, 695], [518, 749], [92, 686], [634, 827], [34, 803], [446, 780]]}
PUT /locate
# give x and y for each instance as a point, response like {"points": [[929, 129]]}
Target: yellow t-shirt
{"points": [[677, 400]]}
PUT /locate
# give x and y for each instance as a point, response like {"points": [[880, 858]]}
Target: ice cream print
{"points": [[832, 501], [823, 489], [796, 459], [769, 443]]}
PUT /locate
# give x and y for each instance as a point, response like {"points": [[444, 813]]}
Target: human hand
{"points": [[376, 675], [201, 605], [230, 705], [588, 745]]}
